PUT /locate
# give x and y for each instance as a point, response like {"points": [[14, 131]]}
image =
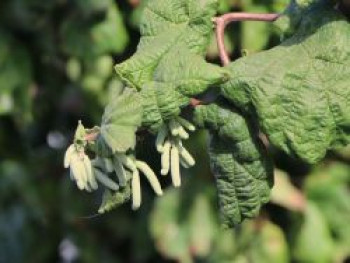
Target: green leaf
{"points": [[111, 200], [120, 121], [239, 161], [161, 102], [270, 245], [299, 89], [188, 73], [202, 226], [326, 186], [314, 241], [164, 220], [175, 36]]}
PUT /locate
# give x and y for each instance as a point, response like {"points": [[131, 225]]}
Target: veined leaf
{"points": [[175, 36], [299, 90], [161, 102], [240, 164], [120, 121]]}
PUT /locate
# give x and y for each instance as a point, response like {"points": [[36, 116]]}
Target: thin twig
{"points": [[134, 3], [195, 102], [222, 21], [91, 136]]}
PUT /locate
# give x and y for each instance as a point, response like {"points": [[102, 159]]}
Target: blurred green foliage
{"points": [[56, 61]]}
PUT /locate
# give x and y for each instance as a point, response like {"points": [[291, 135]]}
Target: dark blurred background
{"points": [[56, 67]]}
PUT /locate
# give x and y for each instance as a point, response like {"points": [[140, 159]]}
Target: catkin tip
{"points": [[160, 148], [135, 207]]}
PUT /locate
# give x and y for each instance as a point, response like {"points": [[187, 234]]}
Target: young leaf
{"points": [[188, 73], [161, 102], [175, 35], [240, 164], [120, 121], [112, 200], [299, 90]]}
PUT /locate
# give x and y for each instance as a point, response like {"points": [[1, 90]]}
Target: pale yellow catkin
{"points": [[186, 156], [151, 177], [136, 190], [68, 155], [183, 134], [161, 136], [166, 158], [78, 171], [174, 127], [186, 124], [184, 164], [127, 162], [175, 166]]}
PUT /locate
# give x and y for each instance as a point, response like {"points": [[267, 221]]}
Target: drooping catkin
{"points": [[186, 156], [79, 173], [175, 166], [136, 190], [163, 132], [151, 177], [166, 158], [68, 155], [184, 164], [127, 162], [186, 124], [174, 127], [183, 134], [89, 173]]}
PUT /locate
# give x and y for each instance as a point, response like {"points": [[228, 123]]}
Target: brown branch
{"points": [[222, 21], [195, 102], [134, 3], [91, 136]]}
